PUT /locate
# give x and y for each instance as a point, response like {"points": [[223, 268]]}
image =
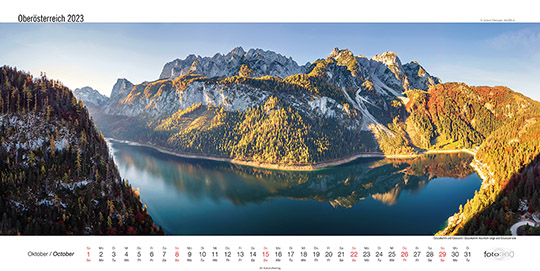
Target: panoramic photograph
{"points": [[270, 129]]}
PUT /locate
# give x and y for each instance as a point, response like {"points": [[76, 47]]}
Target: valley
{"points": [[294, 124], [261, 109]]}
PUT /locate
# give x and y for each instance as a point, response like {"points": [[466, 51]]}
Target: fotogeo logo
{"points": [[499, 254]]}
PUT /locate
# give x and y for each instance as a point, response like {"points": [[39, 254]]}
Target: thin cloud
{"points": [[525, 38]]}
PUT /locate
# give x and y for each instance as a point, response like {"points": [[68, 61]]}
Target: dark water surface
{"points": [[364, 197]]}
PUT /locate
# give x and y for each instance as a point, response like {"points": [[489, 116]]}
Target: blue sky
{"points": [[97, 54]]}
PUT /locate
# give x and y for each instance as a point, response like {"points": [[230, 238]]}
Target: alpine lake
{"points": [[368, 196]]}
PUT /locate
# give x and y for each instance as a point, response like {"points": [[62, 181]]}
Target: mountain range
{"points": [[260, 61], [344, 102], [381, 77], [262, 109]]}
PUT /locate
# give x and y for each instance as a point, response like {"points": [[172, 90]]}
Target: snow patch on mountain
{"points": [[79, 184], [30, 131], [325, 106], [260, 61]]}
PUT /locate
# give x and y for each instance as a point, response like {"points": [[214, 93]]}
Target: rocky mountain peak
{"points": [[414, 66], [334, 52], [388, 59], [262, 62], [236, 53], [90, 96], [84, 90], [363, 80], [391, 77], [338, 54], [419, 78], [121, 89]]}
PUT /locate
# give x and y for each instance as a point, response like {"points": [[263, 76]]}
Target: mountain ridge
{"points": [[337, 107], [92, 97], [260, 62], [353, 90], [380, 104]]}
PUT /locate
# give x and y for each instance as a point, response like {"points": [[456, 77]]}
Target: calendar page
{"points": [[282, 135]]}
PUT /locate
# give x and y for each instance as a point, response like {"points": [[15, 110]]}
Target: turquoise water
{"points": [[364, 197]]}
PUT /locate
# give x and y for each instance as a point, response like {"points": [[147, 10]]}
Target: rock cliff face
{"points": [[91, 97], [356, 95], [359, 75], [121, 89], [261, 63], [419, 78]]}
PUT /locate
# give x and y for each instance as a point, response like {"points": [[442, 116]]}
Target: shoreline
{"points": [[311, 167], [483, 172], [457, 218]]}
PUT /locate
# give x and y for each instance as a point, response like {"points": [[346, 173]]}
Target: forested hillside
{"points": [[508, 161], [339, 107], [459, 116], [256, 134], [57, 176], [330, 110]]}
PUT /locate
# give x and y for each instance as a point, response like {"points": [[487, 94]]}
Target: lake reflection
{"points": [[366, 196]]}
